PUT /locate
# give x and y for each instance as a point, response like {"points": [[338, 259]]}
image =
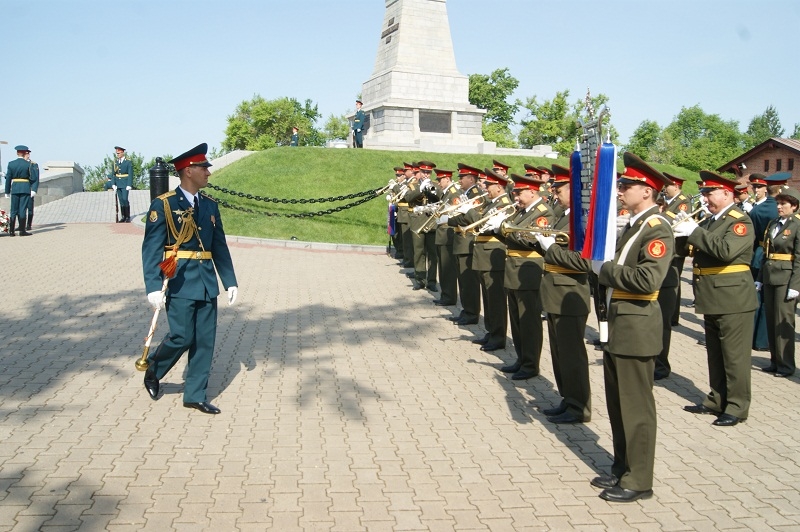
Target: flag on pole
{"points": [[600, 240], [577, 233]]}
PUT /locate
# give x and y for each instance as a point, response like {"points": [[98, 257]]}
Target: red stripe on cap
{"points": [[189, 161], [635, 175]]}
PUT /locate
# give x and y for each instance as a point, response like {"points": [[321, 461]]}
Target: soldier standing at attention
{"points": [[189, 227], [295, 138], [725, 294], [643, 255], [22, 182], [358, 126], [34, 189], [122, 182], [421, 192], [763, 212], [448, 270]]}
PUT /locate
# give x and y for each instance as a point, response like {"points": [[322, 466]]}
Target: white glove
{"points": [[33, 193], [6, 195], [463, 208], [684, 228], [156, 299], [759, 284], [747, 207], [545, 241], [791, 294], [127, 188], [233, 291], [358, 131], [493, 223], [418, 209], [114, 188], [597, 265]]}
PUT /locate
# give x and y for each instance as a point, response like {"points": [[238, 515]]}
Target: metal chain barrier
{"points": [[292, 201], [229, 205]]}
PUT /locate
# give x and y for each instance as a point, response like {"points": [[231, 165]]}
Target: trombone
{"points": [[562, 237], [507, 210]]}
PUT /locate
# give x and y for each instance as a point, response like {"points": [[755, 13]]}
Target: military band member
{"points": [[403, 216], [122, 182], [523, 277], [502, 170], [488, 259], [743, 200], [669, 296], [559, 172], [469, 289], [397, 237], [422, 191], [185, 225], [643, 255], [565, 299], [763, 212], [779, 281], [725, 295], [22, 182], [448, 269]]}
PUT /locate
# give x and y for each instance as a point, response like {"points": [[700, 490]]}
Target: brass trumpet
{"points": [[389, 185], [442, 209], [691, 216], [400, 193], [562, 238], [508, 209]]}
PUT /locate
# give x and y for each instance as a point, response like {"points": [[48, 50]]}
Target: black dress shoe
{"points": [[513, 368], [701, 342], [565, 418], [620, 494], [660, 376], [560, 409], [418, 285], [726, 420], [481, 341], [769, 369], [491, 346], [205, 407], [151, 384], [454, 318], [523, 375], [463, 321], [432, 287], [761, 349], [700, 409], [783, 375], [605, 482], [440, 303]]}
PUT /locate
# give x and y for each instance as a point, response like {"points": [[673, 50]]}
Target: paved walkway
{"points": [[348, 403]]}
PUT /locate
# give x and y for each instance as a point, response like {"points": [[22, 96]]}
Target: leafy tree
{"points": [[796, 132], [703, 141], [645, 140], [763, 127], [336, 128], [260, 124], [491, 93]]}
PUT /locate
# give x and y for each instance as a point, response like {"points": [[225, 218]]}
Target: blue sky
{"points": [[160, 76]]}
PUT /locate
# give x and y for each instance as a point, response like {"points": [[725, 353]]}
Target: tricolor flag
{"points": [[601, 229]]}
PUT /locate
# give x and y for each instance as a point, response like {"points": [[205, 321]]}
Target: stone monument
{"points": [[416, 97]]}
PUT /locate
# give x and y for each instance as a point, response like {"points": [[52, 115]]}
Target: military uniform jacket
{"points": [[634, 311], [681, 203], [402, 205], [464, 242], [123, 173], [727, 242], [194, 279], [524, 261], [489, 252], [22, 177], [565, 283], [417, 198], [761, 215], [781, 264], [444, 233], [358, 120]]}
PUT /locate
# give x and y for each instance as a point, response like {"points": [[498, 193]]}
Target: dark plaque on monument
{"points": [[434, 122]]}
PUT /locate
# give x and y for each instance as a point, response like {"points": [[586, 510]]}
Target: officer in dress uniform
{"points": [[448, 269], [643, 255], [186, 227], [22, 182], [743, 200], [669, 296], [358, 126], [779, 280], [34, 189], [422, 191], [565, 299], [722, 248], [469, 289], [502, 169], [523, 277], [763, 212], [122, 182]]}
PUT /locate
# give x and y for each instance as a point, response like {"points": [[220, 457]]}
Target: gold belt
{"points": [[181, 254], [402, 204], [622, 294], [522, 253], [20, 181], [552, 268], [121, 175], [480, 238], [734, 268], [780, 256]]}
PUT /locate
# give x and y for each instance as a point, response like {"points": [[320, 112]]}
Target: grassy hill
{"points": [[305, 173]]}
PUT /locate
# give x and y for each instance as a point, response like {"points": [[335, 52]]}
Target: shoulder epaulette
{"points": [[681, 196], [541, 207], [654, 222], [797, 215], [504, 200], [735, 214], [452, 188], [670, 214], [165, 195]]}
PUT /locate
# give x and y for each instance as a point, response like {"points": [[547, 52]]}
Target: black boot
{"points": [[12, 226], [22, 231], [127, 214], [30, 221]]}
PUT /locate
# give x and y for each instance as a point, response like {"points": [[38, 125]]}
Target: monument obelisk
{"points": [[416, 97]]}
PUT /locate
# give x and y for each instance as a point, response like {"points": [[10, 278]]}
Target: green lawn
{"points": [[305, 173]]}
